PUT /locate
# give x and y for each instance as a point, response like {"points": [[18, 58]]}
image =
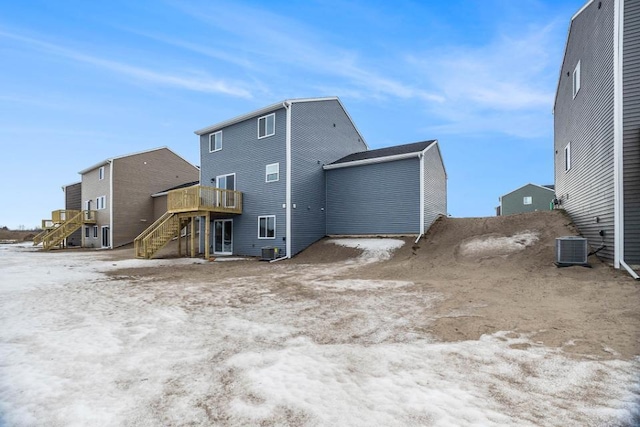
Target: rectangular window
{"points": [[272, 172], [527, 200], [101, 173], [101, 202], [95, 231], [576, 79], [86, 232], [267, 227], [215, 141], [267, 125], [567, 157]]}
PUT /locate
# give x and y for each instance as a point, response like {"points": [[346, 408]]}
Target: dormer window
{"points": [[267, 126]]}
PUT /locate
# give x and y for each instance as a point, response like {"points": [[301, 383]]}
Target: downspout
{"points": [[111, 198], [618, 141], [422, 172], [287, 106]]}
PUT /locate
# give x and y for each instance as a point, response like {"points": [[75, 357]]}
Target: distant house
{"points": [[112, 204], [286, 175], [528, 198], [596, 128]]}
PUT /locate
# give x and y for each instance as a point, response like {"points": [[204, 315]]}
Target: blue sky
{"points": [[82, 81]]}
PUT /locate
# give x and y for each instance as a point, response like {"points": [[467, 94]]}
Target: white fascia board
{"points": [[111, 159], [257, 113], [373, 160]]}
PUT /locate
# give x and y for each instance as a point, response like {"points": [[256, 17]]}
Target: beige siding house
{"points": [[119, 189]]}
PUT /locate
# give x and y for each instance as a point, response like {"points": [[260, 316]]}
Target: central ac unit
{"points": [[571, 250], [269, 253]]}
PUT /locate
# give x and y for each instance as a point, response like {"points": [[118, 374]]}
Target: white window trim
{"points": [[101, 202], [576, 79], [274, 227], [276, 173], [527, 200], [266, 135], [101, 173], [567, 157], [212, 138]]}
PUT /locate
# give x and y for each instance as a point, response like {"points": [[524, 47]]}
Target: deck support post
{"points": [[193, 236], [207, 237]]}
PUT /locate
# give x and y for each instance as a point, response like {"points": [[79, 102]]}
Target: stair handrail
{"points": [[65, 229], [144, 242]]}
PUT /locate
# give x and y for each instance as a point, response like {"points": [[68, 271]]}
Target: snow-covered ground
{"points": [[299, 346]]}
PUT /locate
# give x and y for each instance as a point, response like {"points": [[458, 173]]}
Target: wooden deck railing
{"points": [[199, 198]]}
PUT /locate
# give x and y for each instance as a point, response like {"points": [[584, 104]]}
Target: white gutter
{"points": [[618, 195], [287, 106]]}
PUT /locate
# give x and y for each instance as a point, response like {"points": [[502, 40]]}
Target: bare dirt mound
{"points": [[498, 274]]}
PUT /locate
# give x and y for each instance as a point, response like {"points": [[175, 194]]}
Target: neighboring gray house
{"points": [[528, 198], [270, 178], [597, 127], [394, 190]]}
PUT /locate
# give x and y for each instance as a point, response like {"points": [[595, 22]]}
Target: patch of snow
{"points": [[498, 245], [78, 348], [374, 250]]}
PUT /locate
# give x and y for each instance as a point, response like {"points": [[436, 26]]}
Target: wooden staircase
{"points": [[55, 236], [157, 235]]}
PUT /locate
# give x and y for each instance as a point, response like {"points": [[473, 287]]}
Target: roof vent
{"points": [[571, 250]]}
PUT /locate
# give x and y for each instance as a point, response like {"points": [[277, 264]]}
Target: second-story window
{"points": [[527, 200], [576, 79], [101, 202], [272, 172], [215, 141], [267, 125], [101, 173], [567, 157]]}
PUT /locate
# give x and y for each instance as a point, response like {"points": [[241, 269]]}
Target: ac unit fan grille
{"points": [[571, 250]]}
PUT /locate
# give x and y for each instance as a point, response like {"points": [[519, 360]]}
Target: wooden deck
{"points": [[204, 199]]}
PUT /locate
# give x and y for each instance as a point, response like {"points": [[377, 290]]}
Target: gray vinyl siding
{"points": [[586, 190], [513, 203], [380, 198], [73, 200], [631, 129], [321, 133], [435, 186], [247, 156]]}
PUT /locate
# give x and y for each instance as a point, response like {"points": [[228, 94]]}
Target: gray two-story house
{"points": [[528, 198], [597, 128], [281, 177]]}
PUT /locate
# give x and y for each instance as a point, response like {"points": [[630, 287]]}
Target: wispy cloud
{"points": [[199, 83], [285, 42], [505, 86]]}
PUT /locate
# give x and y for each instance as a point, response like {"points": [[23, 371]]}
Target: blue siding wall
{"points": [[381, 198], [631, 105], [435, 186], [321, 133], [586, 190], [247, 156]]}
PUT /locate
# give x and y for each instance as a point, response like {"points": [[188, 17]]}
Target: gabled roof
{"points": [[111, 159], [544, 187], [177, 187], [271, 108], [396, 150]]}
